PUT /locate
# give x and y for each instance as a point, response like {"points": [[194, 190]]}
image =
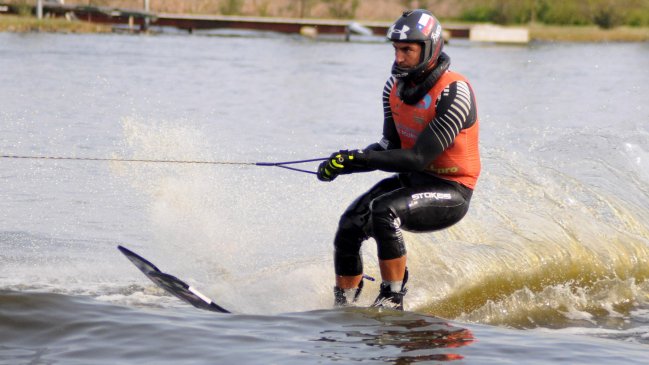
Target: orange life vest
{"points": [[460, 161]]}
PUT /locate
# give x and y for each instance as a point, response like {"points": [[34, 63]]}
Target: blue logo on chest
{"points": [[425, 102]]}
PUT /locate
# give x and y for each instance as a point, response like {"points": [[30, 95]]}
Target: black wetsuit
{"points": [[413, 199]]}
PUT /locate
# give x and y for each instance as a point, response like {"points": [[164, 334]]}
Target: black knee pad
{"points": [[348, 265], [390, 251], [387, 233], [347, 247]]}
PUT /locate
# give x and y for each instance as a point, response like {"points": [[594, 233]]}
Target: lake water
{"points": [[550, 266]]}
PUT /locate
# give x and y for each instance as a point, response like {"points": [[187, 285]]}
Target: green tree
{"points": [[231, 7], [342, 9], [415, 4], [501, 11], [305, 8]]}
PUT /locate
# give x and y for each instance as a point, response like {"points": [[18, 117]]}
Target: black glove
{"points": [[341, 162], [326, 173]]}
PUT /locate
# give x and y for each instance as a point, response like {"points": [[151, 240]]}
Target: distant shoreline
{"points": [[538, 32], [589, 33], [27, 24]]}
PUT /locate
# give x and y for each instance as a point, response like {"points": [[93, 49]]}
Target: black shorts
{"points": [[416, 202]]}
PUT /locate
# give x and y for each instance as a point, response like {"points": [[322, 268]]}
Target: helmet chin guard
{"points": [[417, 26]]}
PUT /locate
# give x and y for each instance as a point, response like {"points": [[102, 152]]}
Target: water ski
{"points": [[172, 284]]}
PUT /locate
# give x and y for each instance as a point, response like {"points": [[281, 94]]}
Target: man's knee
{"points": [[348, 264], [390, 250], [347, 254], [386, 231], [347, 246]]}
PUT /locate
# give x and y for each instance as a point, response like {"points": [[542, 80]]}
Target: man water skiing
{"points": [[430, 140]]}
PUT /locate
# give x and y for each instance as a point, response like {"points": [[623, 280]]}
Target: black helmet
{"points": [[422, 27]]}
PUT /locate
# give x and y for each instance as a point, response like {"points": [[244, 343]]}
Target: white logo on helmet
{"points": [[437, 34], [403, 32]]}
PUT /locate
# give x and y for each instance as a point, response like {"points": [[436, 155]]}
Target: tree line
{"points": [[604, 13]]}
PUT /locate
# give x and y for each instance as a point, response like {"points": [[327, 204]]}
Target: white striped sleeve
{"points": [[453, 114]]}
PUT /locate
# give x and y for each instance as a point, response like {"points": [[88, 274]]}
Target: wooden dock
{"points": [[281, 25], [142, 21], [137, 20]]}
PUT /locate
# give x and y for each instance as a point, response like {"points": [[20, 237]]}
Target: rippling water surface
{"points": [[549, 266]]}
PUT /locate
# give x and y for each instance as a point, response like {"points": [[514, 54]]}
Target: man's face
{"points": [[406, 54]]}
